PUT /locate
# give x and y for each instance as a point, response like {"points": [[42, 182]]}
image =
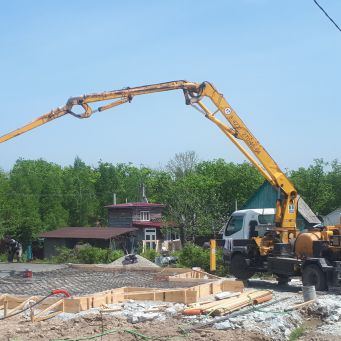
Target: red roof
{"points": [[140, 223], [135, 204], [88, 232]]}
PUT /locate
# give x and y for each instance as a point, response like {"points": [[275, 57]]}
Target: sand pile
{"points": [[141, 262]]}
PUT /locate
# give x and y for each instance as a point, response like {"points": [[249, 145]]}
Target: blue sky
{"points": [[276, 62]]}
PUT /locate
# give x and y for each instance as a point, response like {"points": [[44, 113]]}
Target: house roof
{"points": [[87, 232], [306, 212], [266, 195], [139, 223], [136, 204]]}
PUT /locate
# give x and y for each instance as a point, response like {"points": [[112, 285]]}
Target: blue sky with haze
{"points": [[276, 62]]}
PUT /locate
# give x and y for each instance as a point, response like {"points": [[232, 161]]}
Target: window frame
{"points": [[143, 214]]}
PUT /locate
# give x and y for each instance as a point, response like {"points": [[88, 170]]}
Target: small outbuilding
{"points": [[108, 237]]}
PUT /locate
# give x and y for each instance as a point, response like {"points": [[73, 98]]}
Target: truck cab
{"points": [[245, 224], [238, 234]]}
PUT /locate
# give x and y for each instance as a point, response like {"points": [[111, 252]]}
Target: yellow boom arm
{"points": [[194, 93]]}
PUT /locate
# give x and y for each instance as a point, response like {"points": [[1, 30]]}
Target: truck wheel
{"points": [[239, 267], [313, 275], [282, 279]]}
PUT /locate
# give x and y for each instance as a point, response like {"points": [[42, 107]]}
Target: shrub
{"points": [[196, 256], [3, 257], [115, 254], [192, 255], [91, 255], [65, 255], [150, 254], [87, 254]]}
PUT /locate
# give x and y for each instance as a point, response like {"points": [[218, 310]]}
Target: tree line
{"points": [[38, 196]]}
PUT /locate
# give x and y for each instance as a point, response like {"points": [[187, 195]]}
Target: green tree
{"points": [[80, 194], [313, 185], [182, 164], [334, 180]]}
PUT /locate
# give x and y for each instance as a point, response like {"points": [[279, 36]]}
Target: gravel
{"points": [[141, 262]]}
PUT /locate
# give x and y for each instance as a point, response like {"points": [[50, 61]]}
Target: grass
{"points": [[296, 333]]}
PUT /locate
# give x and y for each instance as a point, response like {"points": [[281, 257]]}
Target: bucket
{"points": [[27, 274], [309, 293]]}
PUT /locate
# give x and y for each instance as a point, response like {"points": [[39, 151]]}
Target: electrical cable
{"points": [[53, 292], [29, 307], [326, 14]]}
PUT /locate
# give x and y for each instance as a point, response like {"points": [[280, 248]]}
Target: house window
{"points": [[145, 215], [150, 234]]}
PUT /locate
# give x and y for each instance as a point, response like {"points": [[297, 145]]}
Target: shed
{"points": [[95, 236], [266, 196]]}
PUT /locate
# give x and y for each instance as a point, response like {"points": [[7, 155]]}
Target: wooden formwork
{"points": [[204, 284]]}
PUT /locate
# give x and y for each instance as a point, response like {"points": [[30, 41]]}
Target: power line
{"points": [[326, 14]]}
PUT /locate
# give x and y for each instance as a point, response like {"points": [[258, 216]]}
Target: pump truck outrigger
{"points": [[280, 249]]}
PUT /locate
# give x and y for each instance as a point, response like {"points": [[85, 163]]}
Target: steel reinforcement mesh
{"points": [[78, 282]]}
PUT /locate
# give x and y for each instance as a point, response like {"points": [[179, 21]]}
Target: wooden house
{"points": [[144, 216]]}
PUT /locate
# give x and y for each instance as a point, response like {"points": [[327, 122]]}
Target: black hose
{"points": [[29, 307]]}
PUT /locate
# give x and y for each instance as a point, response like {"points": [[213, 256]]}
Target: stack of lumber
{"points": [[229, 304]]}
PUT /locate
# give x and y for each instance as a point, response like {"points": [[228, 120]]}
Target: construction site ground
{"points": [[152, 320]]}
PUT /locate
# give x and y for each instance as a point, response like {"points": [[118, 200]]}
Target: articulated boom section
{"points": [[194, 94]]}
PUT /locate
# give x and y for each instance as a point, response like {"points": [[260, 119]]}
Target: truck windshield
{"points": [[234, 225], [266, 219]]}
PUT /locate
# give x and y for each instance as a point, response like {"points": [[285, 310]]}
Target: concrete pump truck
{"points": [[280, 249]]}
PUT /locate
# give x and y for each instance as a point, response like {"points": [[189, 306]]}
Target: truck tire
{"points": [[282, 279], [239, 267], [313, 275]]}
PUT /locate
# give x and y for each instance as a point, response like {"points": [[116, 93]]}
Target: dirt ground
{"points": [[87, 327], [90, 325]]}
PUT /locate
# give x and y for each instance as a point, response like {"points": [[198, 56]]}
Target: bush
{"points": [[91, 255], [150, 254], [193, 255], [196, 256], [87, 254], [3, 257]]}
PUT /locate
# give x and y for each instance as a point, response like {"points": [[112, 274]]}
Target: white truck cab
{"points": [[245, 224]]}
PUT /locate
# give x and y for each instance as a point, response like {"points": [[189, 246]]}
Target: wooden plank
{"points": [[59, 303], [181, 296], [189, 280], [216, 287], [43, 318], [234, 303], [226, 300], [144, 296], [73, 305], [204, 290], [232, 285], [20, 306], [300, 305]]}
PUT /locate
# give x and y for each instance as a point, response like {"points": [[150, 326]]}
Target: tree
{"points": [[182, 164], [80, 194], [33, 199], [312, 184], [334, 180]]}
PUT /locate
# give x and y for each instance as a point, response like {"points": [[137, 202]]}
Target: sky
{"points": [[276, 62]]}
